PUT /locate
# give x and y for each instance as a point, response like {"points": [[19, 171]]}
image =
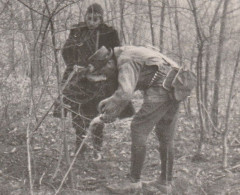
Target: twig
{"points": [[41, 178], [235, 145], [234, 167], [219, 177], [28, 150], [203, 190], [96, 120], [58, 164], [209, 118], [71, 165], [63, 87], [235, 140]]}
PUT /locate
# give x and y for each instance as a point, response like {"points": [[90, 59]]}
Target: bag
{"points": [[183, 84]]}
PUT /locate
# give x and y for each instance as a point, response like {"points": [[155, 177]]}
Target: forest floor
{"points": [[192, 175]]}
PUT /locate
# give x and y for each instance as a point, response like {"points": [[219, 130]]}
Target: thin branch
{"points": [[30, 8], [96, 120], [29, 149]]}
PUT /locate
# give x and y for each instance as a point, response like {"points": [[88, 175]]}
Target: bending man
{"points": [[164, 86]]}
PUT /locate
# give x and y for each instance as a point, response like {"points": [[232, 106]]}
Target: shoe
{"points": [[127, 187], [157, 187]]}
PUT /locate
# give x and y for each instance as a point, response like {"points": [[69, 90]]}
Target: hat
{"points": [[101, 54], [95, 8]]}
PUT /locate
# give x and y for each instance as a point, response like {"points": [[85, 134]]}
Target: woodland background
{"points": [[202, 35]]}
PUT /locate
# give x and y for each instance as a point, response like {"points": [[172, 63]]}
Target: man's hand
{"points": [[108, 109], [105, 106], [107, 118]]}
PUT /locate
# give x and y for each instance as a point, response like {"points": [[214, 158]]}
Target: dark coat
{"points": [[80, 45]]}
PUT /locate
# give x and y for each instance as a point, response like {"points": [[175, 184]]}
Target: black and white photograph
{"points": [[131, 97]]}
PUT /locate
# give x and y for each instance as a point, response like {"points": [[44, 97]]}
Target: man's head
{"points": [[103, 63], [100, 57], [94, 16]]}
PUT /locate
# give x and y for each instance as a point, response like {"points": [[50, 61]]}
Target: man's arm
{"points": [[127, 80]]}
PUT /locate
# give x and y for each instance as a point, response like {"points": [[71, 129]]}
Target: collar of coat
{"points": [[82, 25]]}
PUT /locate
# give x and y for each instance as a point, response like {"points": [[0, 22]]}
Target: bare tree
{"points": [[200, 43], [177, 26], [162, 21], [122, 7], [226, 130], [135, 23], [151, 21], [215, 101], [207, 61]]}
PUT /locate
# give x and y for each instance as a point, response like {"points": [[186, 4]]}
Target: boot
{"points": [[129, 186], [166, 156], [57, 112], [83, 149], [138, 154], [132, 184], [97, 142], [158, 186]]}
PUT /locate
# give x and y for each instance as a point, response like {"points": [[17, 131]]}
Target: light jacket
{"points": [[137, 66]]}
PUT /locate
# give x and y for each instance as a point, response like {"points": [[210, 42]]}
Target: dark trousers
{"points": [[159, 111], [81, 118], [83, 96]]}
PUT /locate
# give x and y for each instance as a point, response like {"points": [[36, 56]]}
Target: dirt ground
{"points": [[192, 175]]}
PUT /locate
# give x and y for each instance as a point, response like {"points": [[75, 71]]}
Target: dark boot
{"points": [[80, 127], [79, 140], [157, 186], [138, 154], [57, 112], [97, 134], [129, 186], [163, 184], [166, 155]]}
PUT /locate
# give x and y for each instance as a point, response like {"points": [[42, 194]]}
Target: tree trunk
{"points": [[170, 24], [207, 62], [135, 23], [226, 130], [122, 36], [162, 20], [56, 61], [176, 22], [199, 74], [151, 21], [218, 65], [106, 6]]}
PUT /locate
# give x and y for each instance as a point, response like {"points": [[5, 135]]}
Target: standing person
{"points": [[164, 85], [81, 94]]}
